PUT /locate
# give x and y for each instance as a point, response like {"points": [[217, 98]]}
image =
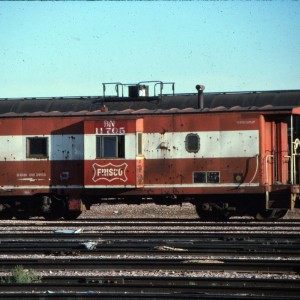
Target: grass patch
{"points": [[21, 275]]}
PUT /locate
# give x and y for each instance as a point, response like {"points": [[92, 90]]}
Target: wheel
{"points": [[211, 215], [280, 213], [55, 208], [270, 214], [72, 214]]}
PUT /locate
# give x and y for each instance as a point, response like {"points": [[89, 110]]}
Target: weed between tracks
{"points": [[21, 275]]}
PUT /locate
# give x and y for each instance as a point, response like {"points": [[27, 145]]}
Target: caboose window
{"points": [[139, 143], [110, 146], [37, 147], [192, 142]]}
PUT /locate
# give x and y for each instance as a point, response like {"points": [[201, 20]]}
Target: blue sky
{"points": [[70, 48]]}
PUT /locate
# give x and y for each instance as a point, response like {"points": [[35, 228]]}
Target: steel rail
{"points": [[147, 285], [138, 235], [242, 265], [142, 296], [145, 245], [151, 222]]}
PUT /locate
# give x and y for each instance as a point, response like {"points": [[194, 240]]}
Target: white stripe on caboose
{"points": [[213, 144]]}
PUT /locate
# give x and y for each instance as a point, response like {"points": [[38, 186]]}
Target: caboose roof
{"points": [[130, 112], [179, 103]]}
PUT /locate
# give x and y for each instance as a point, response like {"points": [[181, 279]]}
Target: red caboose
{"points": [[226, 161]]}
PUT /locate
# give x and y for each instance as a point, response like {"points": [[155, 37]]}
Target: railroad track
{"points": [[265, 255], [168, 287], [192, 244], [234, 224], [173, 264]]}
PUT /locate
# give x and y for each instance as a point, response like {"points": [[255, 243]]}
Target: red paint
{"points": [[67, 176]]}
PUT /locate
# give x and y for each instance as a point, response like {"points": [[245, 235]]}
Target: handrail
{"points": [[296, 144], [116, 87], [267, 173], [138, 85]]}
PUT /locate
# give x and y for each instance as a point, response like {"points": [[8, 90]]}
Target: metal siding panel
{"points": [[110, 172], [20, 173], [181, 171], [66, 147], [11, 126], [109, 125], [12, 148], [213, 144], [70, 147], [61, 147], [41, 174], [159, 123]]}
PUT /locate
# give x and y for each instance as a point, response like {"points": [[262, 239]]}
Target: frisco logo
{"points": [[110, 172]]}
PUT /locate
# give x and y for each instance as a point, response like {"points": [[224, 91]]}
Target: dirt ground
{"points": [[152, 211]]}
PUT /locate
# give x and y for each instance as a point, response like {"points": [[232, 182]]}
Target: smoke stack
{"points": [[200, 89]]}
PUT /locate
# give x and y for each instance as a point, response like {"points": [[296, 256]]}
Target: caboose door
{"points": [[276, 152], [113, 155]]}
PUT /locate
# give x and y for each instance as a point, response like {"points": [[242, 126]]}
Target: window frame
{"points": [[189, 149], [139, 144], [119, 145], [44, 153], [207, 177]]}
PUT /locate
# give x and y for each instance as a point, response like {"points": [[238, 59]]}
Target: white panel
{"points": [[61, 147], [89, 146], [12, 148], [130, 146], [213, 144]]}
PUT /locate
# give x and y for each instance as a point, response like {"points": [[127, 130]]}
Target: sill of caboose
{"points": [[292, 188]]}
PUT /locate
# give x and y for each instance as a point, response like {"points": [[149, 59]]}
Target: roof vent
{"points": [[136, 91]]}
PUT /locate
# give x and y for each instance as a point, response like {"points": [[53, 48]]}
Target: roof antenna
{"points": [[200, 88]]}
